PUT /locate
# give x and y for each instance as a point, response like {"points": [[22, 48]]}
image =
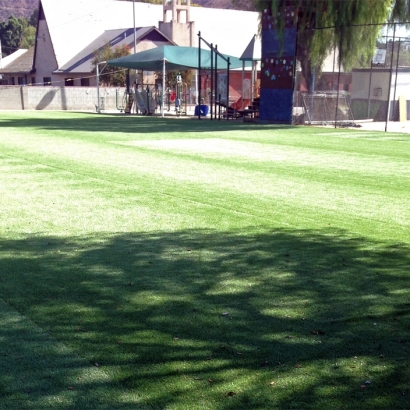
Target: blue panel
{"points": [[271, 43], [276, 105]]}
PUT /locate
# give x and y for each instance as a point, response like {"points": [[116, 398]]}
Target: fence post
{"points": [[395, 79], [338, 77], [391, 70]]}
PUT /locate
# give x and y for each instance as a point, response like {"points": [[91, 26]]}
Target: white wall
{"points": [[45, 61], [379, 80]]}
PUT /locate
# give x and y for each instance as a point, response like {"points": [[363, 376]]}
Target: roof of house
{"points": [[76, 24], [5, 61], [20, 62], [253, 51], [82, 62]]}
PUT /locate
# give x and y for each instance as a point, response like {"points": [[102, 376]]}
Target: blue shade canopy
{"points": [[175, 57]]}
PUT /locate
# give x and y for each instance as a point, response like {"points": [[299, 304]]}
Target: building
{"points": [[17, 68], [373, 87], [66, 41]]}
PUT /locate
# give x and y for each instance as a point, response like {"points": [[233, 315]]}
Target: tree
{"points": [[33, 18], [247, 5], [28, 38], [353, 27], [10, 34], [171, 77], [111, 76], [18, 33]]}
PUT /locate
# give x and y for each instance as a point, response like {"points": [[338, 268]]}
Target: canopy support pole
{"points": [[199, 75], [163, 88], [243, 80]]}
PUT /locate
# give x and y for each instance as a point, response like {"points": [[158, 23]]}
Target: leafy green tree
{"points": [[32, 21], [111, 76], [18, 33], [353, 27], [10, 34], [28, 36], [171, 77]]}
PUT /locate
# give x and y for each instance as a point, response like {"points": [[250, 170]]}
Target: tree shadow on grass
{"points": [[222, 320], [130, 124]]}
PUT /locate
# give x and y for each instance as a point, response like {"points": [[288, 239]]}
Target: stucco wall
{"points": [[379, 84], [45, 61], [58, 98]]}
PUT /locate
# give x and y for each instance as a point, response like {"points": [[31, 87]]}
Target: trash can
{"points": [[204, 110]]}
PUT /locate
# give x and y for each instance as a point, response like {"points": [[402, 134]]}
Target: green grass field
{"points": [[152, 263]]}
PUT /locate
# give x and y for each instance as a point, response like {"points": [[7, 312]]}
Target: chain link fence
{"points": [[374, 88]]}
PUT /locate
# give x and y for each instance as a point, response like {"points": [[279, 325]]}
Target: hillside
{"points": [[20, 8]]}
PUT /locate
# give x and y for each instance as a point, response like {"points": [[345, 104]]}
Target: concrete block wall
{"points": [[59, 98], [11, 98]]}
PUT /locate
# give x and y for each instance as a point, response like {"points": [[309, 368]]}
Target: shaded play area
{"points": [[213, 95]]}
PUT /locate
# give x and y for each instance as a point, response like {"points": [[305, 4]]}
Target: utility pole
{"points": [[1, 57]]}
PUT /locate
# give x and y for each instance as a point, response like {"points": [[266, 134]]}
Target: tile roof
{"points": [[253, 51], [22, 63], [74, 25], [82, 62]]}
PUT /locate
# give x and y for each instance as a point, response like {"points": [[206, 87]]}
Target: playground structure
{"points": [[174, 58], [146, 99], [139, 100], [221, 103], [177, 97]]}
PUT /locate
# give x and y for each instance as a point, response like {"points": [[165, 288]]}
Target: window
{"points": [[68, 82], [85, 82], [12, 81], [21, 81], [33, 80], [47, 80]]}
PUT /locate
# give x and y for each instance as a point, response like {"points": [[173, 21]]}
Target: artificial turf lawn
{"points": [[152, 263]]}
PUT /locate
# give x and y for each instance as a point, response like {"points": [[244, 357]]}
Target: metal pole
{"points": [[338, 76], [243, 79], [227, 89], [212, 82], [98, 90], [370, 87], [395, 80], [334, 63], [199, 75], [163, 88], [98, 84], [216, 83], [135, 30], [391, 69]]}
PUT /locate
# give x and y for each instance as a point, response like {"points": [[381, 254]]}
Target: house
{"points": [[78, 70], [67, 40], [17, 68]]}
